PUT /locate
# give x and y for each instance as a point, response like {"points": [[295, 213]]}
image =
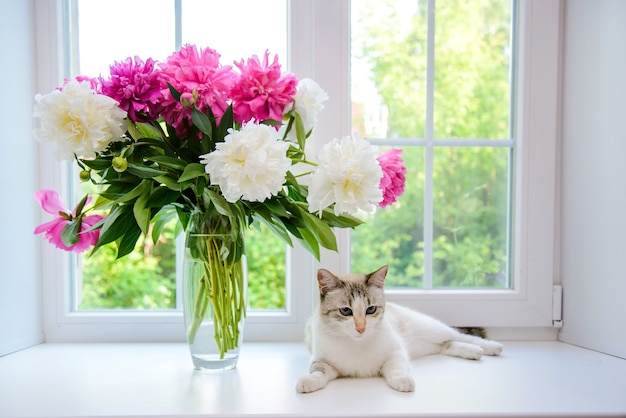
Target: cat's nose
{"points": [[360, 330]]}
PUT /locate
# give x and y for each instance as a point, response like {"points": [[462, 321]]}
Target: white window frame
{"points": [[529, 304], [319, 48]]}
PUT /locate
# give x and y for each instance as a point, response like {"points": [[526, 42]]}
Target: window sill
{"points": [[157, 379]]}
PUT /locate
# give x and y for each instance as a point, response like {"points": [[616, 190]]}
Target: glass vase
{"points": [[214, 292]]}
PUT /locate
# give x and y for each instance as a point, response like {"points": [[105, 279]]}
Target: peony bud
{"points": [[120, 164], [84, 175]]}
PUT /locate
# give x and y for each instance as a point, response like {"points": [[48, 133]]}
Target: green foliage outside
{"points": [[471, 100], [146, 278]]}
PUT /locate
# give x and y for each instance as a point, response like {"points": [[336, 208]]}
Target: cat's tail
{"points": [[475, 331]]}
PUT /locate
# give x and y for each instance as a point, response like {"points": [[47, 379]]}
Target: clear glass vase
{"points": [[214, 292]]}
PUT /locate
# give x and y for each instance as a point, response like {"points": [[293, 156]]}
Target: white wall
{"points": [[593, 200], [20, 287]]}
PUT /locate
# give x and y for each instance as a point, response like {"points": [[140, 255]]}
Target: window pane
{"points": [[210, 24], [237, 29], [473, 67], [146, 279], [470, 234], [266, 259], [395, 234], [389, 68], [460, 196], [116, 29]]}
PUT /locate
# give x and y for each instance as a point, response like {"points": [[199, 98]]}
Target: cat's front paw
{"points": [[403, 383], [310, 383]]}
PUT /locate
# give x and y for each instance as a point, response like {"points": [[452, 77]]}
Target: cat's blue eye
{"points": [[370, 310], [345, 311]]}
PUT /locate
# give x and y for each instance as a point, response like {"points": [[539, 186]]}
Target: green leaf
{"points": [[221, 205], [160, 221], [143, 172], [171, 162], [175, 93], [277, 229], [81, 205], [168, 182], [162, 196], [134, 193], [69, 234], [271, 122], [115, 225], [341, 221], [202, 121], [320, 229], [141, 212], [226, 122], [97, 164], [289, 127], [300, 134], [147, 130], [126, 244], [276, 207], [192, 171], [310, 243]]}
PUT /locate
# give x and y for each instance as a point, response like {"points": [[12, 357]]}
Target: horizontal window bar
{"points": [[422, 142]]}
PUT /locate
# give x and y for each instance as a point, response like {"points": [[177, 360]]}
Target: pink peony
{"points": [[52, 203], [393, 181], [200, 79], [136, 86], [262, 92]]}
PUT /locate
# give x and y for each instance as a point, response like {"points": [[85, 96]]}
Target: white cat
{"points": [[354, 333]]}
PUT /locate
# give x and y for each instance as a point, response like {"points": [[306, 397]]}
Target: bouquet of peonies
{"points": [[190, 137]]}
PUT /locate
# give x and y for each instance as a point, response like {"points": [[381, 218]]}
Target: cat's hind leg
{"points": [[460, 349], [320, 374], [490, 347]]}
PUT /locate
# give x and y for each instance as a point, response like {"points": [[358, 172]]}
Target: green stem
{"points": [[199, 310], [221, 286]]}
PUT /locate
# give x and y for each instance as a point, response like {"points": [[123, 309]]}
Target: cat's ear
{"points": [[377, 278], [327, 281]]}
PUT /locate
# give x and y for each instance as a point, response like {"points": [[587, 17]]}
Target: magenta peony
{"points": [[262, 92], [394, 171], [52, 203], [200, 79], [136, 86]]}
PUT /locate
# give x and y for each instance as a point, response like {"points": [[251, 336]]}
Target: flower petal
{"points": [[50, 201]]}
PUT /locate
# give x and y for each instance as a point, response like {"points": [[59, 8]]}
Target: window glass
{"points": [[470, 217], [472, 69], [395, 232], [442, 100], [388, 71], [147, 278], [237, 29]]}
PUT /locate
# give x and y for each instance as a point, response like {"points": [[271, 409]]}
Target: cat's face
{"points": [[352, 304]]}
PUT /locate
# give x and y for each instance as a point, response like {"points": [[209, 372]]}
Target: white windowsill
{"points": [[157, 379]]}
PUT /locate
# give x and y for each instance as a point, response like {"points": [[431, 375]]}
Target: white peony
{"points": [[250, 164], [308, 102], [78, 120], [348, 175]]}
